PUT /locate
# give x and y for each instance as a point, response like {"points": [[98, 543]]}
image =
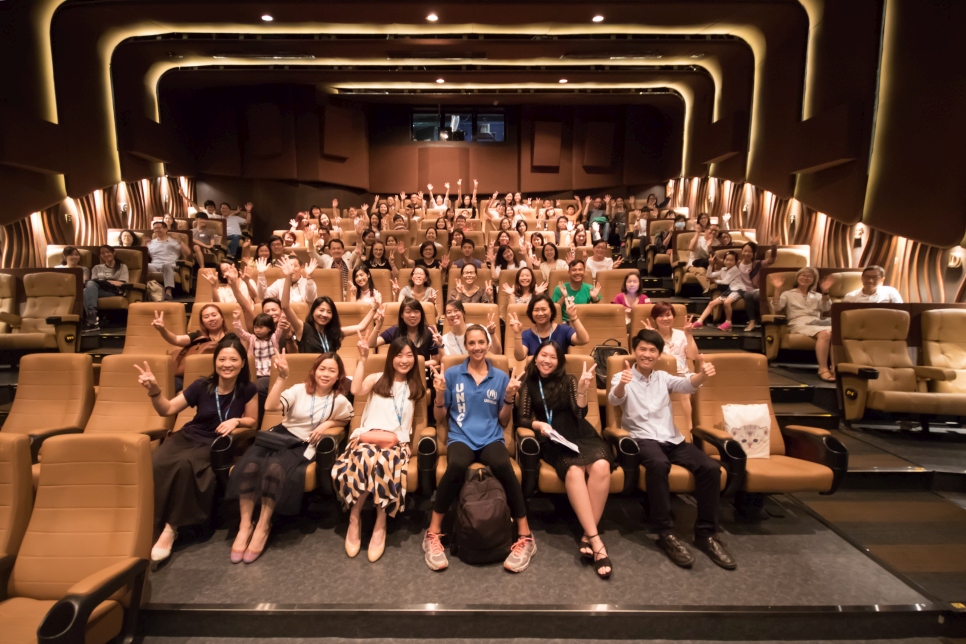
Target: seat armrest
{"points": [[6, 565], [427, 432], [614, 434], [732, 456], [857, 370], [326, 452], [38, 437], [13, 320], [934, 373], [156, 434], [66, 621], [818, 446], [128, 286], [523, 432], [70, 318], [774, 319], [528, 456], [427, 453]]}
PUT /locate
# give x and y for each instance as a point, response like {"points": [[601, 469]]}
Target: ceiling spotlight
{"points": [[440, 80], [267, 18], [598, 18], [432, 17], [563, 80]]}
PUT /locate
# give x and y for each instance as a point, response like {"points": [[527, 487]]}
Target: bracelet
{"points": [[150, 395], [507, 402], [439, 406]]}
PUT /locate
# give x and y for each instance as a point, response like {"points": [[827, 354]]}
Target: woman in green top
{"points": [[576, 289]]}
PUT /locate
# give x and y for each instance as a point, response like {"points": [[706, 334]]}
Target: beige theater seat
{"points": [[227, 311], [136, 260], [803, 459], [604, 323], [660, 262], [611, 282], [142, 338], [944, 346], [538, 475], [48, 320], [55, 395], [16, 495], [878, 373], [680, 480], [122, 405], [449, 362], [520, 310], [81, 567], [201, 366], [476, 314], [8, 299], [679, 254]]}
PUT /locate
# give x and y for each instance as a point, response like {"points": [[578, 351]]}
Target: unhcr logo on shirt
{"points": [[491, 396]]}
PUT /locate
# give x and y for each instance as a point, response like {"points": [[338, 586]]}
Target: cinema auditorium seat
{"points": [[878, 374], [642, 312], [194, 322], [801, 459], [16, 496], [136, 260], [351, 313], [612, 281], [142, 338], [55, 395], [944, 346], [679, 253], [520, 310], [49, 321], [122, 405], [605, 324], [476, 314], [8, 299], [538, 475], [657, 262], [80, 570], [202, 366], [449, 362]]}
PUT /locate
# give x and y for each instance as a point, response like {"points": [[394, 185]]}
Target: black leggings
{"points": [[495, 456]]}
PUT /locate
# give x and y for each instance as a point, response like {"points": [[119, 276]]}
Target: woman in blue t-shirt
{"points": [[542, 312]]}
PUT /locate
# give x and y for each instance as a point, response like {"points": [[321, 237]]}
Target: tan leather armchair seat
{"points": [[55, 395], [8, 299], [227, 311], [16, 497], [442, 428], [679, 254], [48, 320], [611, 282], [657, 262], [80, 570], [604, 323], [879, 374], [520, 310], [351, 313], [136, 260], [802, 459], [122, 405], [142, 338], [944, 346]]}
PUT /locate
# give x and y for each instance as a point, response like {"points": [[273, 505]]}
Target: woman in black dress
{"points": [[184, 483], [553, 400]]}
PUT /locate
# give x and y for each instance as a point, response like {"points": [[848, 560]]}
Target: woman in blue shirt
{"points": [[542, 312]]}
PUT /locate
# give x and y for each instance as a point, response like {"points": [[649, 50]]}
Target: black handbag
{"points": [[610, 347], [277, 441]]}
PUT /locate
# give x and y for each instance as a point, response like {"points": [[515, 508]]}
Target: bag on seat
{"points": [[484, 531], [155, 292], [600, 354]]}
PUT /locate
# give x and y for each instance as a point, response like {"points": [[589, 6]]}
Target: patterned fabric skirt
{"points": [[363, 468]]}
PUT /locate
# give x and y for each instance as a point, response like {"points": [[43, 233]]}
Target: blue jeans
{"points": [[233, 242], [91, 292], [604, 233]]}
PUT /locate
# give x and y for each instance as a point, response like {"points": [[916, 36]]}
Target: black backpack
{"points": [[483, 532], [600, 354]]}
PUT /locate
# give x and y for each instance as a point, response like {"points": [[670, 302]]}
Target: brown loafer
{"points": [[676, 551], [716, 552]]}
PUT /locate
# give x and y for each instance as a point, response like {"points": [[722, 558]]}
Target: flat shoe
{"points": [[160, 554], [375, 552], [826, 376], [250, 556], [352, 549]]}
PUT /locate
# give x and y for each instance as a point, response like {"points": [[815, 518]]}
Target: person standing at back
{"points": [[165, 252]]}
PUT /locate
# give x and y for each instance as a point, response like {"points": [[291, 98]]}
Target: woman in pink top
{"points": [[630, 295]]}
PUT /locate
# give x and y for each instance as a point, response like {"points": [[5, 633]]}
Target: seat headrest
{"points": [[874, 324], [50, 284], [944, 325]]}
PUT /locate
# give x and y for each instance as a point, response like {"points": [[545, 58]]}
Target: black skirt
{"points": [[593, 448], [184, 483], [266, 474]]}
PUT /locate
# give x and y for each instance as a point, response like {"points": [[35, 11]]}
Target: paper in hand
{"points": [[557, 438]]}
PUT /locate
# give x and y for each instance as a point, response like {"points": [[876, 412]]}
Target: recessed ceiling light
{"points": [[440, 80], [598, 18], [563, 80], [267, 18], [432, 17]]}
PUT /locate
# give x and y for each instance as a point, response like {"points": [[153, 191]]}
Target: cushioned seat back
{"points": [[792, 257], [561, 277], [944, 346], [227, 311], [203, 290], [877, 338], [16, 490], [520, 310], [742, 235], [574, 364], [48, 294], [611, 282], [603, 322], [8, 298], [298, 370], [133, 259], [845, 282], [55, 256], [741, 379], [123, 405], [435, 277], [499, 362], [142, 338], [771, 293], [681, 250], [614, 415], [641, 312], [655, 226], [482, 276], [351, 313], [476, 314], [376, 363], [200, 366], [382, 281], [53, 390], [508, 276], [93, 509]]}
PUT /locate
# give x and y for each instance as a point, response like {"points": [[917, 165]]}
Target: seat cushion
{"points": [[28, 341], [797, 341], [113, 302], [786, 474], [679, 479], [549, 483], [919, 402], [20, 617], [442, 461]]}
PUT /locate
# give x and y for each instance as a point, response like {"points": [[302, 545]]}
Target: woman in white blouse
{"points": [[453, 342], [376, 460], [803, 306]]}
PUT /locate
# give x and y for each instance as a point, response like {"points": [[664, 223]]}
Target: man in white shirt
{"points": [[600, 261], [165, 252], [303, 288], [872, 291], [643, 394]]}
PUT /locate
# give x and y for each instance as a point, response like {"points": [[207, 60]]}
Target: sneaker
{"points": [[91, 322], [435, 554], [697, 324], [521, 553], [724, 326]]}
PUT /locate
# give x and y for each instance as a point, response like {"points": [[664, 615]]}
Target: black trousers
{"points": [[459, 457], [752, 299], [657, 459]]}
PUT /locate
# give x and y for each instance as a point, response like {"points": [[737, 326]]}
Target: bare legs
{"points": [[822, 342], [587, 489], [353, 537], [168, 535]]}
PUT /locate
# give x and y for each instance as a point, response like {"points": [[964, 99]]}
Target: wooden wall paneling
{"points": [[546, 145], [534, 178]]}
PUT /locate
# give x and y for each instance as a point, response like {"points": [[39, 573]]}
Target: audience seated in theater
{"points": [[576, 290], [279, 253], [551, 261], [600, 261], [411, 323], [542, 312], [127, 239], [467, 291], [477, 400], [106, 280], [264, 343], [552, 400], [213, 330], [377, 259], [455, 241], [617, 213], [274, 477], [427, 254], [467, 247], [184, 482], [751, 274], [678, 343], [420, 287], [502, 238], [71, 259], [873, 291], [595, 214], [376, 458], [563, 231], [467, 201], [443, 224], [453, 343], [643, 394], [702, 223], [524, 287], [580, 238], [731, 285], [701, 247], [301, 286], [630, 295], [226, 284], [290, 241], [803, 307], [202, 239], [322, 331], [432, 235]]}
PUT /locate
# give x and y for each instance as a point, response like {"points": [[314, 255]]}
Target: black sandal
{"points": [[586, 550], [603, 562]]}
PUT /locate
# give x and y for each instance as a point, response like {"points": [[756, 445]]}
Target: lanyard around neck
{"points": [[543, 399], [322, 340], [325, 408], [400, 409], [221, 416]]}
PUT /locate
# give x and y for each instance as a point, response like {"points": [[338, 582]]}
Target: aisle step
{"points": [[805, 413]]}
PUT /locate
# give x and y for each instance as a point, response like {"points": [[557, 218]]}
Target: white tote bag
{"points": [[751, 426]]}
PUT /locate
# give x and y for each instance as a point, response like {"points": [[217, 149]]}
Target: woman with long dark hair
{"points": [[322, 331], [411, 323], [184, 483]]}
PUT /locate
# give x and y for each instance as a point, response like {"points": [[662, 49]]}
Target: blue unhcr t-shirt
{"points": [[474, 410]]}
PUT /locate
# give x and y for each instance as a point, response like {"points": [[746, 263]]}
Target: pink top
{"points": [[620, 299]]}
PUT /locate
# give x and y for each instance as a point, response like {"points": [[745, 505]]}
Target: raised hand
{"points": [[395, 287], [586, 199], [429, 186], [293, 223], [248, 206], [583, 254], [236, 315], [281, 363], [158, 321], [363, 347], [261, 265], [573, 254], [365, 208], [827, 283], [210, 275], [777, 281], [459, 286], [596, 290], [647, 324], [288, 268], [437, 337], [587, 377], [626, 375], [431, 295], [489, 287], [507, 288], [706, 368], [439, 382], [335, 203], [540, 288], [491, 254], [475, 183], [607, 198], [491, 326], [446, 185], [514, 323], [146, 379], [310, 267], [513, 386], [444, 263], [689, 323], [571, 309], [380, 314], [618, 261]]}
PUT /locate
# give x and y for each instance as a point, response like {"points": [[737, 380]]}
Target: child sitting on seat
{"points": [[731, 286]]}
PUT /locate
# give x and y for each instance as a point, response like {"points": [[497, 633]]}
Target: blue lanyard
{"points": [[544, 401], [325, 409], [399, 409], [322, 340], [221, 417]]}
